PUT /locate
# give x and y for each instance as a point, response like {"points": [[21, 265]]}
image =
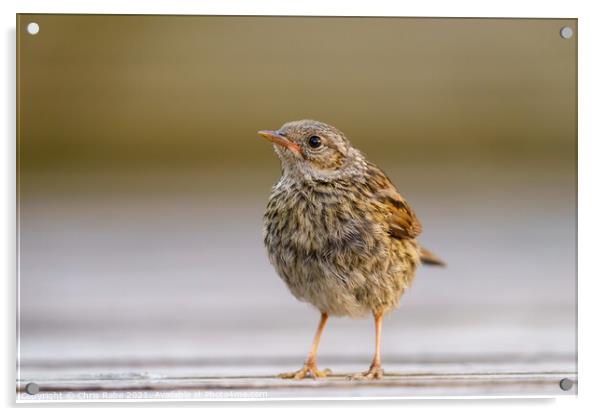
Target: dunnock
{"points": [[338, 232]]}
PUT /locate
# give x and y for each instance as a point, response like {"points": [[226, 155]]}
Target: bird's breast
{"points": [[321, 224], [331, 248]]}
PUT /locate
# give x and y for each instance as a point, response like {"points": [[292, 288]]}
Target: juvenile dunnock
{"points": [[338, 232]]}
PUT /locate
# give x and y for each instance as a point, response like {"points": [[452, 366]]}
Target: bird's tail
{"points": [[426, 257]]}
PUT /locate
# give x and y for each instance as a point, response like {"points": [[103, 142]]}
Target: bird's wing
{"points": [[402, 221]]}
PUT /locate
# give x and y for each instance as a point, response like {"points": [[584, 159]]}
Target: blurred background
{"points": [[142, 186]]}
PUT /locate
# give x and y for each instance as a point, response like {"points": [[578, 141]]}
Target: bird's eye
{"points": [[315, 142]]}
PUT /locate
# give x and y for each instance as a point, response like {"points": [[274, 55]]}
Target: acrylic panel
{"points": [[142, 186]]}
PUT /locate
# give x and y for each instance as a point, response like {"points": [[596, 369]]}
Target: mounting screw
{"points": [[566, 384], [32, 388], [33, 28], [566, 32]]}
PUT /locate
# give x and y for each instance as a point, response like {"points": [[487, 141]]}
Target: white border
{"points": [[590, 207]]}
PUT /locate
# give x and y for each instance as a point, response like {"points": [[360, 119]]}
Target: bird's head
{"points": [[314, 150]]}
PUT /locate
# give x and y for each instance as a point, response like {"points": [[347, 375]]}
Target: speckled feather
{"points": [[336, 230]]}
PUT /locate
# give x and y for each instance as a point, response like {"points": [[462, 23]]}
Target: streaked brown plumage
{"points": [[337, 231]]}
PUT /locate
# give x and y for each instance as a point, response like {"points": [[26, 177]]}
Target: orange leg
{"points": [[309, 367], [375, 371]]}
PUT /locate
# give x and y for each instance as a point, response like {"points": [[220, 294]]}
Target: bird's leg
{"points": [[375, 371], [309, 367]]}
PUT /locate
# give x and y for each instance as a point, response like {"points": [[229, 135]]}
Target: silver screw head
{"points": [[566, 32], [32, 388], [33, 28], [566, 384]]}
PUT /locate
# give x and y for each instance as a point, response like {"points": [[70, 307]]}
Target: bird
{"points": [[338, 233]]}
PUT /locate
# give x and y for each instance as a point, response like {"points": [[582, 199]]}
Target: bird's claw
{"points": [[310, 370], [374, 373]]}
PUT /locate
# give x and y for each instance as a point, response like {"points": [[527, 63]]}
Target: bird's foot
{"points": [[374, 373], [307, 369]]}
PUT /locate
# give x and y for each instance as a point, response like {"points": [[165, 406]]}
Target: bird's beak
{"points": [[277, 138]]}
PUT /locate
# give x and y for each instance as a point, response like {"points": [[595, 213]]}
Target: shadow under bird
{"points": [[338, 232]]}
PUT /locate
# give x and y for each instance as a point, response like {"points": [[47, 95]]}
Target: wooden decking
{"points": [[484, 376], [266, 387]]}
